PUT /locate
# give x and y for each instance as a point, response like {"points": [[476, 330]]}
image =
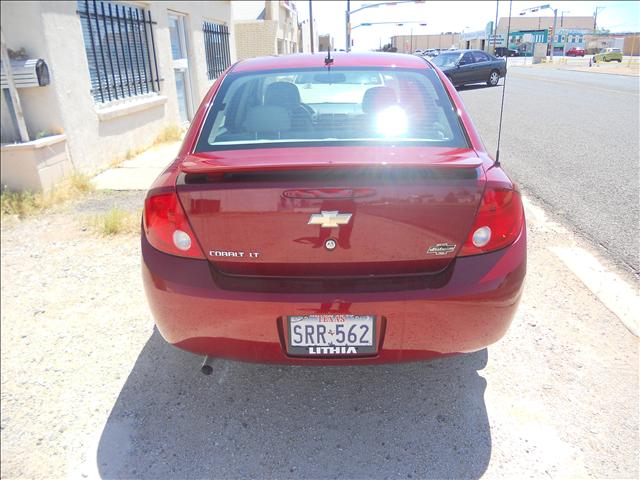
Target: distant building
{"points": [[324, 42], [473, 40], [525, 32], [274, 31], [304, 41], [629, 43], [524, 40], [411, 43], [529, 23]]}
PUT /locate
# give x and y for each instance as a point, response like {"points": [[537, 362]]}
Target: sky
{"points": [[450, 16]]}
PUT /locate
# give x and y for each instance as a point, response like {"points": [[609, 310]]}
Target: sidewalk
{"points": [[630, 66], [617, 69], [139, 172]]}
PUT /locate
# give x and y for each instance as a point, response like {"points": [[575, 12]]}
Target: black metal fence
{"points": [[120, 48], [216, 46]]}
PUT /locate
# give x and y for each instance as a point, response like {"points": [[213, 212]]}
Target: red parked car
{"points": [[575, 52], [333, 211]]}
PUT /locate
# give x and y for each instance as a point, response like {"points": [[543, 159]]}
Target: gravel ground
{"points": [[90, 389]]}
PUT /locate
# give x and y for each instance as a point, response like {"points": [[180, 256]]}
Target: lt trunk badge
{"points": [[329, 219]]}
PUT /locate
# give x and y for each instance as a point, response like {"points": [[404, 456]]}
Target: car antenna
{"points": [[328, 61], [504, 84]]}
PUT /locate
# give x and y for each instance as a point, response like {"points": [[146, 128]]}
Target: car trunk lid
{"points": [[331, 211]]}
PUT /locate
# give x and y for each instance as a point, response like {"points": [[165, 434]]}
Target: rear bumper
{"points": [[473, 310]]}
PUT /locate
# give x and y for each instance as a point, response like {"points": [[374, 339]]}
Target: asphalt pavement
{"points": [[570, 140]]}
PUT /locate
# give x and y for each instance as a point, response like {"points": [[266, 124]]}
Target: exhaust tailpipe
{"points": [[207, 365]]}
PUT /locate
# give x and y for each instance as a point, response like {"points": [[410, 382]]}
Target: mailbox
{"points": [[32, 72]]}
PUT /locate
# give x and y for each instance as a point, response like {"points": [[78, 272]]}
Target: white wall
{"points": [[21, 25], [52, 30]]}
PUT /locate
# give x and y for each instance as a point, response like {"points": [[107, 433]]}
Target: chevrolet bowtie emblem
{"points": [[329, 219]]}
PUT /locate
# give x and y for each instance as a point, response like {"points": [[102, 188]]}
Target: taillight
{"points": [[498, 222], [167, 228]]}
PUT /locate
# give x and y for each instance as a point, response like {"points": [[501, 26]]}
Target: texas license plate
{"points": [[331, 334]]}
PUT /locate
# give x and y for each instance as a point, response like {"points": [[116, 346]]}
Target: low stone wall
{"points": [[35, 166]]}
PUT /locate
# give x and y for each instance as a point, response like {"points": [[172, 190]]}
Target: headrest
{"points": [[283, 94], [378, 98], [267, 118]]}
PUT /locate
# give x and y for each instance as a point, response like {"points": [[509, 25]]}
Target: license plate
{"points": [[331, 335]]}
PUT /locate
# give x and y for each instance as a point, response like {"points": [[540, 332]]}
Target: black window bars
{"points": [[120, 48], [216, 46]]}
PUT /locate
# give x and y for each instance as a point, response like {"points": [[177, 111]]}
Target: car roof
{"points": [[464, 50], [340, 59]]}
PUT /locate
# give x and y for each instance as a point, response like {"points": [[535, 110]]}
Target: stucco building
{"points": [[308, 35], [266, 28], [411, 43], [120, 73]]}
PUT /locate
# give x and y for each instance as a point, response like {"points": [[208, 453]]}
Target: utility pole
{"points": [[311, 25], [595, 17], [562, 16], [564, 34], [495, 29], [347, 47], [553, 33], [411, 49]]}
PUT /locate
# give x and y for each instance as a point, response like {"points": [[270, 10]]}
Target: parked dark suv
{"points": [[505, 52]]}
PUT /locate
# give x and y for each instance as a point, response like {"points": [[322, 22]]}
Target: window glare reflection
{"points": [[392, 122]]}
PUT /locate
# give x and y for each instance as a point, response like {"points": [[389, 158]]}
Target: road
{"points": [[90, 389], [570, 139]]}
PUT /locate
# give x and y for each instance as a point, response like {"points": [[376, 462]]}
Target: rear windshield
{"points": [[331, 107], [446, 59]]}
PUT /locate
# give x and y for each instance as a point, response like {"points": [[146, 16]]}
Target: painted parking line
{"points": [[616, 294]]}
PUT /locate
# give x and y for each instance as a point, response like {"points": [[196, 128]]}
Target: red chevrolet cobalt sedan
{"points": [[333, 211]]}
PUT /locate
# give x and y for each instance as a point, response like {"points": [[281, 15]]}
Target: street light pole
{"points": [[595, 17], [495, 29], [399, 24], [553, 34], [370, 5], [311, 25], [555, 21]]}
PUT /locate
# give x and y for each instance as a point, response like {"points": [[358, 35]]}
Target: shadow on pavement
{"points": [[414, 420]]}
